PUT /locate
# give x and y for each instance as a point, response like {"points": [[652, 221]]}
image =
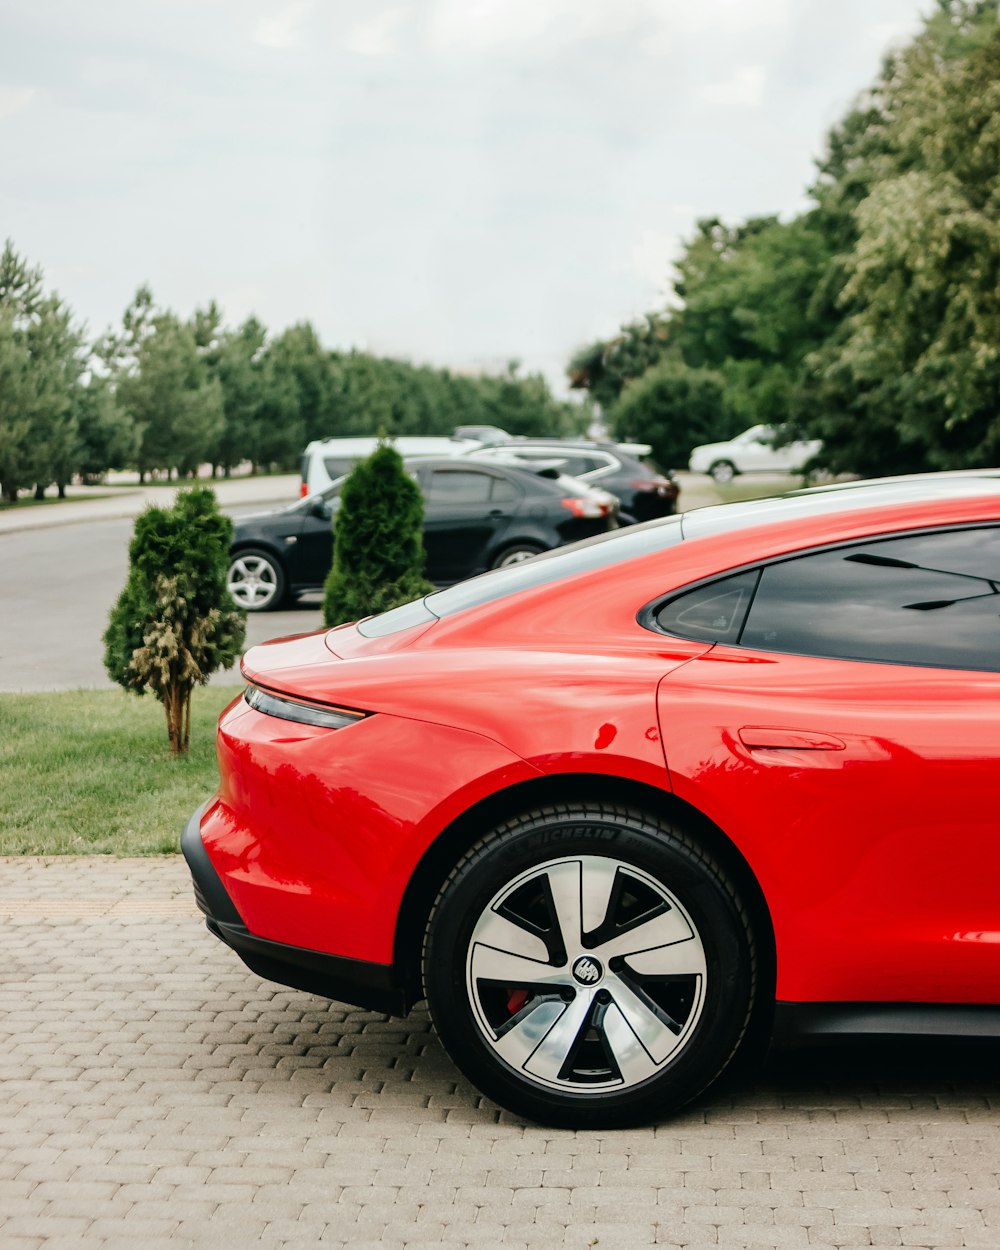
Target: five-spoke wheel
{"points": [[255, 581], [590, 966]]}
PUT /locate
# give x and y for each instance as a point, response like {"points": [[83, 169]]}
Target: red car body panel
{"points": [[308, 857], [876, 842], [861, 795]]}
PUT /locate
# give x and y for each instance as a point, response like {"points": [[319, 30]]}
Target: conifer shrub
{"points": [[378, 541], [174, 623]]}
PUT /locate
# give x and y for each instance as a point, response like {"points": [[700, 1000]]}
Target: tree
{"points": [[673, 408], [162, 382], [41, 361], [605, 367], [378, 547], [174, 623], [107, 437], [920, 341]]}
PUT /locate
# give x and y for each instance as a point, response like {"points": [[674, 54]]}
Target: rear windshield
{"points": [[552, 566]]}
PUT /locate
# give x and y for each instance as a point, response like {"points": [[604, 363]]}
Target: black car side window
{"points": [[925, 599], [448, 486]]}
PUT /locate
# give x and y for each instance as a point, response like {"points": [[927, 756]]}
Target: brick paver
{"points": [[154, 1092]]}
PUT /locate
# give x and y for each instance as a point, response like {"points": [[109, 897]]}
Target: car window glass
{"points": [[928, 599], [711, 613], [582, 557], [337, 466], [503, 490], [448, 486]]}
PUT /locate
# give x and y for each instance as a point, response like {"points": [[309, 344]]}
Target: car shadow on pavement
{"points": [[293, 1047]]}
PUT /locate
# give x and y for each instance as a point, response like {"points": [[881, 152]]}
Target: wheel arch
{"points": [[239, 545], [453, 841]]}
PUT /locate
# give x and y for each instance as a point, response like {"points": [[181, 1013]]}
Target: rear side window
{"points": [[926, 599], [452, 487], [711, 613], [337, 466]]}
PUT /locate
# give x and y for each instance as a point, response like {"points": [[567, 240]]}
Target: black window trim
{"points": [[646, 616]]}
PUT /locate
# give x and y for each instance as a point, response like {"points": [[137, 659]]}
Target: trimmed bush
{"points": [[378, 541], [174, 623]]}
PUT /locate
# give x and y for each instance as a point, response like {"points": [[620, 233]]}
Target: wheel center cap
{"points": [[587, 970]]}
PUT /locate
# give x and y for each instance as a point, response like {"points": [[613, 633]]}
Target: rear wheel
{"points": [[590, 966], [256, 580]]}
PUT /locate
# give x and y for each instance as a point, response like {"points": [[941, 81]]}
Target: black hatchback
{"points": [[477, 516]]}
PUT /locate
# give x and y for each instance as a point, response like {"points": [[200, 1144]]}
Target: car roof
{"points": [[839, 497]]}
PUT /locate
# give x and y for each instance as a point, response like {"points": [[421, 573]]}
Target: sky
{"points": [[454, 182]]}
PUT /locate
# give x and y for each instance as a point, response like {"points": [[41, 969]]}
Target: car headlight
{"points": [[318, 714]]}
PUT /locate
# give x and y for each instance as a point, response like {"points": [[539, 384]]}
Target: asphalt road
{"points": [[59, 583]]}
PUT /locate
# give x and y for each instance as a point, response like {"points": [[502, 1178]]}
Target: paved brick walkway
{"points": [[155, 1093]]}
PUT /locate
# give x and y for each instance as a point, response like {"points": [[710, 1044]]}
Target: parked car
{"points": [[476, 516], [621, 811], [622, 468], [327, 459], [753, 451]]}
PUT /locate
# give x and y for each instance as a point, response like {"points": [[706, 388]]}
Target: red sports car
{"points": [[623, 811]]}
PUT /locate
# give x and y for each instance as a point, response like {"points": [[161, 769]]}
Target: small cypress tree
{"points": [[378, 542], [174, 623]]}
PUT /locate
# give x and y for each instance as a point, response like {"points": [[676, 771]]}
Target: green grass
{"points": [[89, 772]]}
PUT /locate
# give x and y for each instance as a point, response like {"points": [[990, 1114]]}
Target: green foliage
{"points": [[604, 368], [673, 408], [378, 550], [41, 362], [174, 623], [872, 321], [163, 383], [86, 773]]}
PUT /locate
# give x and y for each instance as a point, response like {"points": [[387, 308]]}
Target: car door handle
{"points": [[769, 738]]}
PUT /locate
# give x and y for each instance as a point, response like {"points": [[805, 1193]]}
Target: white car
{"points": [[753, 451], [327, 459]]}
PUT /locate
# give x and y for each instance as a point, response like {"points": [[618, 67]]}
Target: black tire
{"points": [[659, 947], [256, 580], [722, 471], [515, 553]]}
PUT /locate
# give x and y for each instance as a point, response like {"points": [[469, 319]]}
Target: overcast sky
{"points": [[459, 182]]}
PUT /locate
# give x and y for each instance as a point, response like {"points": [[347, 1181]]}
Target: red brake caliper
{"points": [[516, 1000]]}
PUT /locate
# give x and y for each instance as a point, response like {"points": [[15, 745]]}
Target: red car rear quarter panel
{"points": [[315, 832]]}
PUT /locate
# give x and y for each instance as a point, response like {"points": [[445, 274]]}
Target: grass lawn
{"points": [[89, 772]]}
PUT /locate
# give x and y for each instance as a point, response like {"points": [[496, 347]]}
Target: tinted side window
{"points": [[446, 486], [503, 490], [930, 599], [337, 466], [712, 613]]}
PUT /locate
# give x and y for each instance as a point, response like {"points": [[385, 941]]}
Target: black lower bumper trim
{"points": [[798, 1023], [354, 981]]}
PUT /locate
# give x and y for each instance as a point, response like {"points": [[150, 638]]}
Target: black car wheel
{"points": [[256, 580], [515, 554], [590, 966]]}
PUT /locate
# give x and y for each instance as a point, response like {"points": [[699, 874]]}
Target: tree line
{"points": [[872, 319], [164, 395]]}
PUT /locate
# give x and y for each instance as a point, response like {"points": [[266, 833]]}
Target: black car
{"points": [[477, 516], [622, 468]]}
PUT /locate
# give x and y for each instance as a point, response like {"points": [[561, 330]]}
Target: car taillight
{"points": [[318, 714], [303, 491], [661, 485], [585, 507]]}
